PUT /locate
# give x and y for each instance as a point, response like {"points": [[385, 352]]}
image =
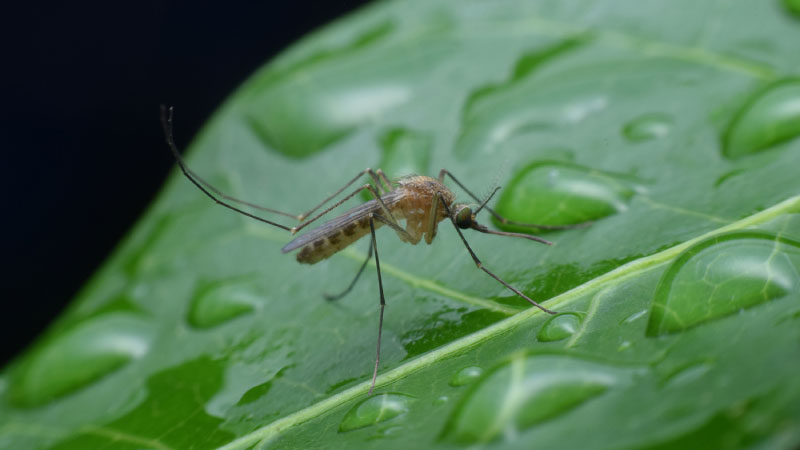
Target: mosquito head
{"points": [[463, 216]]}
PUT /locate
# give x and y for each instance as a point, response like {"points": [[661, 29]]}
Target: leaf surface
{"points": [[672, 125]]}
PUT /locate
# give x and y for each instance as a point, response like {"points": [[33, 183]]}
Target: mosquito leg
{"points": [[352, 283], [207, 188], [379, 178], [368, 187], [481, 266], [502, 219], [432, 223], [204, 186], [405, 234], [383, 304], [385, 180], [368, 171]]}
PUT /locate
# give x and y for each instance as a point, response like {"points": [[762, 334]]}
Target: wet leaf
{"points": [[672, 125]]}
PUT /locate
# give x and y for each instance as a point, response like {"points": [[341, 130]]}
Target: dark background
{"points": [[82, 85]]}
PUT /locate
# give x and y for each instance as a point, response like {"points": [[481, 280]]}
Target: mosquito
{"points": [[421, 201]]}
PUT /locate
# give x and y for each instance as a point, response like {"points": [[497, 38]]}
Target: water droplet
{"points": [[722, 275], [305, 111], [727, 176], [439, 401], [635, 316], [687, 374], [139, 255], [770, 117], [172, 415], [793, 7], [624, 345], [519, 118], [560, 326], [217, 302], [557, 193], [78, 356], [526, 391], [446, 325], [405, 152], [648, 126], [255, 393], [466, 376], [375, 409]]}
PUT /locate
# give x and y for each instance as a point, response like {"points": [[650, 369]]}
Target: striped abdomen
{"points": [[338, 233], [325, 246]]}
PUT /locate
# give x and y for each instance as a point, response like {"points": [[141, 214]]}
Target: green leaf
{"points": [[674, 126]]}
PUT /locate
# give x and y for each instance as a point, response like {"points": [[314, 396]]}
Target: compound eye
{"points": [[464, 217]]}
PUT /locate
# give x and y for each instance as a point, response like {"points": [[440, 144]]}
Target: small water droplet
{"points": [[392, 431], [558, 193], [721, 276], [466, 376], [441, 400], [635, 316], [687, 374], [727, 176], [216, 302], [560, 326], [375, 409], [648, 126], [624, 346], [769, 117], [526, 391], [79, 356], [139, 256], [255, 393]]}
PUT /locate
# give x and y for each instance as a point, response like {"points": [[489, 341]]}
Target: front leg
{"points": [[480, 265]]}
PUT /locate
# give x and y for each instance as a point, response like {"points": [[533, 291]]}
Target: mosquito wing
{"points": [[351, 216]]}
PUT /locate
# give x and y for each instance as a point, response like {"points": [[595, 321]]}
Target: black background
{"points": [[82, 85]]}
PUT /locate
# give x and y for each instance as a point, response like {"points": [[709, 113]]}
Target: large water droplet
{"points": [[76, 357], [557, 193], [560, 326], [446, 325], [217, 302], [770, 117], [722, 275], [173, 415], [526, 391], [466, 376], [647, 127], [375, 409], [404, 152], [303, 112]]}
